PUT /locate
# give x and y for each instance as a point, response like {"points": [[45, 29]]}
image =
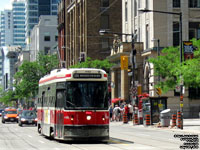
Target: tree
{"points": [[89, 63], [170, 69], [30, 73], [6, 96]]}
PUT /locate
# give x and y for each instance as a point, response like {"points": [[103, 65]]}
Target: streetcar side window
{"points": [[60, 98]]}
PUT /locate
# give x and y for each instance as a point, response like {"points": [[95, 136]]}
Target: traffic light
{"points": [[158, 91], [124, 63]]}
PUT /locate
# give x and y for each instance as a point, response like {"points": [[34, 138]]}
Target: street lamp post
{"points": [[158, 53], [133, 51], [181, 52]]}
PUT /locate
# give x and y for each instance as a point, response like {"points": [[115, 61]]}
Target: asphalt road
{"points": [[122, 137]]}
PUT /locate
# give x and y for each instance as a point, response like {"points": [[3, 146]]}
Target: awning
{"points": [[143, 95], [114, 100]]}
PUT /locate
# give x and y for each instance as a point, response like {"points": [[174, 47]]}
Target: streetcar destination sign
{"points": [[84, 75]]}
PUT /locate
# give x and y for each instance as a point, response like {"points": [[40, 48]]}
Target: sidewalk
{"points": [[189, 126]]}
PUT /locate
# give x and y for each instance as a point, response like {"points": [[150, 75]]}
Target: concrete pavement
{"points": [[189, 126]]}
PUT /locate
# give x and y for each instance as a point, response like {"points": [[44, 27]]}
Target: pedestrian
{"points": [[111, 112], [116, 112], [126, 109], [130, 114]]}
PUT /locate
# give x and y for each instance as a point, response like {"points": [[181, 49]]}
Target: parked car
{"points": [[9, 115], [27, 117], [1, 112]]}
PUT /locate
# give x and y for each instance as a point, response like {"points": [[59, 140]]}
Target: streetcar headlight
{"points": [[103, 118], [88, 117], [5, 117], [72, 118], [22, 119]]}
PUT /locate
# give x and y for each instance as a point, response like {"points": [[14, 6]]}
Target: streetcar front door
{"points": [[59, 129]]}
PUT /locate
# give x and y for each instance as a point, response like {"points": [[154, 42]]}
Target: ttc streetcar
{"points": [[73, 104]]}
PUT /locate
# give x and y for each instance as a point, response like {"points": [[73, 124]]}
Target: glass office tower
{"points": [[19, 23], [35, 8]]}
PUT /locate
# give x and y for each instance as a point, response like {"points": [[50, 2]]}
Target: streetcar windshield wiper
{"points": [[71, 103]]}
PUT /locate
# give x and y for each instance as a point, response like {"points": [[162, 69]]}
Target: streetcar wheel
{"points": [[39, 129], [51, 134]]}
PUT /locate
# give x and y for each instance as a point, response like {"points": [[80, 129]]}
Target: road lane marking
{"points": [[41, 142], [143, 134], [30, 136]]}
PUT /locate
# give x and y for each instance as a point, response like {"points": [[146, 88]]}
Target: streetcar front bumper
{"points": [[97, 132]]}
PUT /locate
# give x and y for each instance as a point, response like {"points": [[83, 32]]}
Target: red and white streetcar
{"points": [[73, 104]]}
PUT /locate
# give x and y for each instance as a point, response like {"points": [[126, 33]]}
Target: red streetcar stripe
{"points": [[54, 78]]}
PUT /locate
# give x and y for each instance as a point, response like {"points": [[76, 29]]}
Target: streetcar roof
{"points": [[60, 75]]}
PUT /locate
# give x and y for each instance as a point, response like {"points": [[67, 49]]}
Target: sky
{"points": [[5, 4]]}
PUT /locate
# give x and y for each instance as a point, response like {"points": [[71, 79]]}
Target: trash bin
{"points": [[165, 118]]}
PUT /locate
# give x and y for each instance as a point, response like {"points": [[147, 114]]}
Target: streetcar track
{"points": [[32, 146]]}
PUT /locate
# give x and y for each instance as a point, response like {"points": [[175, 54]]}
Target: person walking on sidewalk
{"points": [[130, 113], [116, 112], [111, 112]]}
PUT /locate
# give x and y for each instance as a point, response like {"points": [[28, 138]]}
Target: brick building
{"points": [[84, 19], [61, 33]]}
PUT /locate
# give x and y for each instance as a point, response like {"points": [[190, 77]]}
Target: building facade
{"points": [[62, 33], [44, 37], [1, 68], [18, 9], [84, 20], [35, 8], [163, 27], [6, 27], [10, 55]]}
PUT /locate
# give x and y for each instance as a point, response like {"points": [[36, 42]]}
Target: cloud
{"points": [[9, 5]]}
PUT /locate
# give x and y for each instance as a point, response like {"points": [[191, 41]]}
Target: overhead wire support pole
{"points": [[181, 53], [181, 60]]}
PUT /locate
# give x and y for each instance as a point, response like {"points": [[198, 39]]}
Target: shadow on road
{"points": [[110, 141]]}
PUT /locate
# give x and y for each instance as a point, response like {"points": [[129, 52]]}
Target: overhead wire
{"points": [[102, 11]]}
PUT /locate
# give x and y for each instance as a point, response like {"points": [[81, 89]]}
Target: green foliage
{"points": [[29, 74], [6, 97], [99, 64], [168, 66]]}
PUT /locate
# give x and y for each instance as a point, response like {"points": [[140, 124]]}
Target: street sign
{"points": [[158, 91], [188, 50], [133, 90], [188, 47]]}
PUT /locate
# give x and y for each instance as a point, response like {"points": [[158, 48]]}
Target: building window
{"points": [[105, 43], [175, 33], [194, 93], [126, 11], [147, 36], [135, 8], [194, 30], [47, 38], [104, 21], [104, 3], [147, 4], [194, 3], [46, 50], [56, 38], [176, 3]]}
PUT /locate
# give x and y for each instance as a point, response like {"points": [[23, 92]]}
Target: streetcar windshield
{"points": [[86, 95]]}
